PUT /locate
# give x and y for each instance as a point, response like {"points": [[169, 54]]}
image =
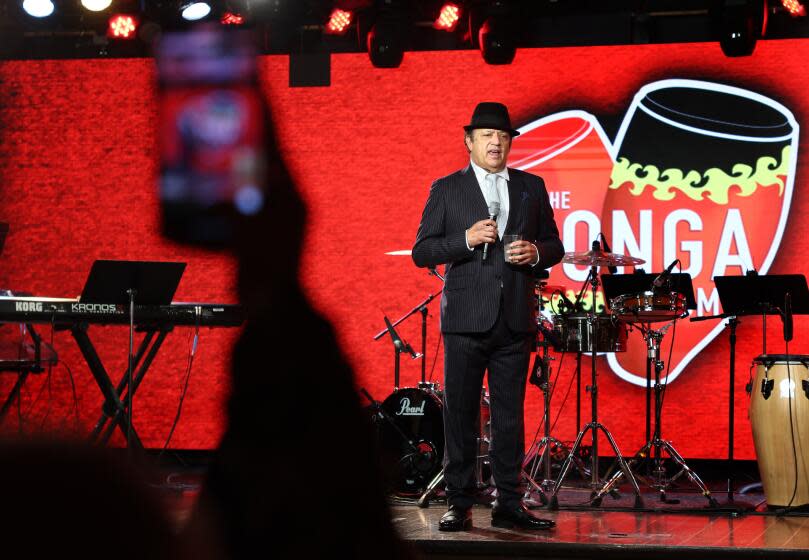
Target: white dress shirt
{"points": [[485, 183]]}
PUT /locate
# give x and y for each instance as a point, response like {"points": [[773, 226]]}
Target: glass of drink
{"points": [[507, 241]]}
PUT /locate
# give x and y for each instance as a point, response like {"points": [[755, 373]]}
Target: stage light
{"points": [[741, 24], [194, 11], [122, 26], [339, 21], [448, 18], [496, 39], [386, 45], [96, 5], [229, 18], [38, 8], [794, 7]]}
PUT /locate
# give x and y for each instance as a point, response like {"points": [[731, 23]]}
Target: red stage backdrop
{"points": [[673, 151]]}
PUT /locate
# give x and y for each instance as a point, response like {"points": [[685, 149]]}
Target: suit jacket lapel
{"points": [[479, 205], [514, 206]]}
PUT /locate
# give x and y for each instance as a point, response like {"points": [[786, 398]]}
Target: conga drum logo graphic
{"points": [[571, 152], [703, 172]]}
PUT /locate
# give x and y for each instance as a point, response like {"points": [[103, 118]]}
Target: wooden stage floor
{"points": [[615, 530], [611, 534]]}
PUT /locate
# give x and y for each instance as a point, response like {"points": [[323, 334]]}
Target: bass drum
{"points": [[778, 394], [411, 435]]}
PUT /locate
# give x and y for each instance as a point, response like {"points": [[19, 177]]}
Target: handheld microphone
{"points": [[663, 276], [787, 317], [612, 269], [494, 211]]}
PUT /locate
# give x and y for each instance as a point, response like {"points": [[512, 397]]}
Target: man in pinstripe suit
{"points": [[488, 313]]}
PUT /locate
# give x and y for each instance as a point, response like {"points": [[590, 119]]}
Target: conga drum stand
{"points": [[595, 258], [657, 444]]}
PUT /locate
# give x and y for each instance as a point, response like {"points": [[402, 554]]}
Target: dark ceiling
{"points": [[296, 26]]}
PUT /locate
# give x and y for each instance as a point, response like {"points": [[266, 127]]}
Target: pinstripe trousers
{"points": [[467, 356]]}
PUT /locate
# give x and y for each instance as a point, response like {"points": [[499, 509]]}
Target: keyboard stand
{"points": [[35, 359], [114, 409]]}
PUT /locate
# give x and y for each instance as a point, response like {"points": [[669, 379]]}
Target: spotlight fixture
{"points": [[741, 24], [386, 44], [122, 26], [448, 17], [96, 5], [231, 18], [195, 11], [496, 40], [38, 8], [794, 7], [339, 22]]}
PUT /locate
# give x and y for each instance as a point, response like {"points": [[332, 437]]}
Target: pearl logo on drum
{"points": [[407, 410]]}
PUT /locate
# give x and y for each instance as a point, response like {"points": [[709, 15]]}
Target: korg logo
{"points": [[28, 306]]}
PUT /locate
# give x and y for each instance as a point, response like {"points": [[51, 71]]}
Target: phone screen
{"points": [[211, 131]]}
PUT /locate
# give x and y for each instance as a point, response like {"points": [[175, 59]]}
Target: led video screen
{"points": [[670, 151]]}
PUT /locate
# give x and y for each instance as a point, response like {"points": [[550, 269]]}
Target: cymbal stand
{"points": [[656, 445], [594, 426]]}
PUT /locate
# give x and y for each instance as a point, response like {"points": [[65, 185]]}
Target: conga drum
{"points": [[778, 393]]}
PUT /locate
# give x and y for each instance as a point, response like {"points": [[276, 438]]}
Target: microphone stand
{"points": [[399, 346], [421, 307], [130, 366]]}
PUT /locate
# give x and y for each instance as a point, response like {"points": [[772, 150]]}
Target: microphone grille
{"points": [[494, 208]]}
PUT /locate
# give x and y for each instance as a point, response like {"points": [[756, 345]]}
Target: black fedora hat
{"points": [[489, 114]]}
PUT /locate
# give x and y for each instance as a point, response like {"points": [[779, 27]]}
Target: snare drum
{"points": [[416, 415], [649, 307], [778, 392], [573, 333]]}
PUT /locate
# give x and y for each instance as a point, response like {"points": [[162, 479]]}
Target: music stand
{"points": [[754, 295], [655, 444], [112, 282], [762, 295], [621, 284]]}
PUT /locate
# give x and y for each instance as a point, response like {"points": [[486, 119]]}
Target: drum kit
{"points": [[411, 418]]}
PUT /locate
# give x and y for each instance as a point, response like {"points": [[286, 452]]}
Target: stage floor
{"points": [[609, 533], [690, 528]]}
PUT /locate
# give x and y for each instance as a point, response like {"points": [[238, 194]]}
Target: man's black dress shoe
{"points": [[456, 519], [518, 517]]}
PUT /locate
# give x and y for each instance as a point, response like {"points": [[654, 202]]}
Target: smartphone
{"points": [[210, 134]]}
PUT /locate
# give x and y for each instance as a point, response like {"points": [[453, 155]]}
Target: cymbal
{"points": [[601, 258]]}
